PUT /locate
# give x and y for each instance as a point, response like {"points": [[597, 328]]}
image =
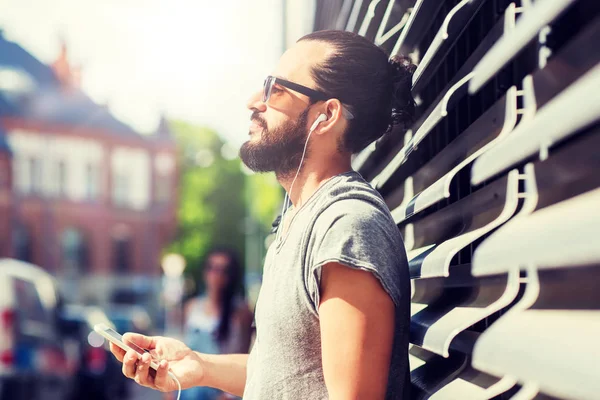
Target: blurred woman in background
{"points": [[219, 321]]}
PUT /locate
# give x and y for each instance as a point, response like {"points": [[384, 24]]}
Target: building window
{"points": [[62, 178], [21, 241], [164, 166], [120, 188], [4, 173], [162, 189], [74, 252], [122, 254], [91, 182], [35, 175]]}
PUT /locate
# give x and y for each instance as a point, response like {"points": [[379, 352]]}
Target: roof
{"points": [[50, 101], [13, 55], [163, 131]]}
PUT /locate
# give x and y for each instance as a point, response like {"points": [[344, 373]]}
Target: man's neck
{"points": [[310, 179]]}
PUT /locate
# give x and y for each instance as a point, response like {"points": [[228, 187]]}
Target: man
{"points": [[332, 317]]}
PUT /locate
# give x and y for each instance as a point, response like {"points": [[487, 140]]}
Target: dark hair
{"points": [[376, 89], [229, 292]]}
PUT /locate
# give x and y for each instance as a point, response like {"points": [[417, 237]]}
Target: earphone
{"points": [[320, 118]]}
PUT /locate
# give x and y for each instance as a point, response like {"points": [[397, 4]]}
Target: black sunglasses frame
{"points": [[272, 80]]}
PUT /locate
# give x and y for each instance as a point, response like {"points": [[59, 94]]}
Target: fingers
{"points": [[160, 380], [118, 352], [142, 373], [130, 364], [145, 342]]}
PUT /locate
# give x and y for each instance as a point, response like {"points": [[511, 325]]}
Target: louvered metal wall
{"points": [[496, 189]]}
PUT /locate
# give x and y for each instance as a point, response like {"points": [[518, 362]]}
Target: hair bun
{"points": [[403, 104]]}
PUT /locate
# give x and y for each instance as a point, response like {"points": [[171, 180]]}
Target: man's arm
{"points": [[226, 372], [357, 331]]}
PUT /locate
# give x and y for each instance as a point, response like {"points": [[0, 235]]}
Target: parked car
{"points": [[99, 375], [33, 361]]}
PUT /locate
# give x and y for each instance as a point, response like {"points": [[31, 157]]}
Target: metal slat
{"points": [[471, 217], [353, 18], [432, 182], [569, 172], [454, 24], [436, 114], [580, 54], [418, 22], [547, 128], [558, 236], [344, 15], [461, 303], [531, 22], [430, 372], [555, 350], [473, 385]]}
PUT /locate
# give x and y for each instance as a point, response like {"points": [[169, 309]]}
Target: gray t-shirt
{"points": [[345, 221]]}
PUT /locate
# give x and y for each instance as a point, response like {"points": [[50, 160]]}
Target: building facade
{"points": [[81, 194], [495, 189]]}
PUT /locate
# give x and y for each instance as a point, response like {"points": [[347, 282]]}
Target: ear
{"points": [[335, 119]]}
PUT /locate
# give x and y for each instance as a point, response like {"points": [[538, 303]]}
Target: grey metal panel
{"points": [[539, 344]]}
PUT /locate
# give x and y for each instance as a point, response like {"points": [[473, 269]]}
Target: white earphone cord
{"points": [[288, 197], [178, 386]]}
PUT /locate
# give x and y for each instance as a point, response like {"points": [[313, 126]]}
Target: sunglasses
{"points": [[314, 95]]}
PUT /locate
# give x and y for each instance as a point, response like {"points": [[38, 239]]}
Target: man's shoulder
{"points": [[353, 195], [355, 198]]}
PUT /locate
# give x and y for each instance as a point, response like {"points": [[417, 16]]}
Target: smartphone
{"points": [[114, 337]]}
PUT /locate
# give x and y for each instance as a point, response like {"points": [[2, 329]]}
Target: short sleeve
{"points": [[360, 235]]}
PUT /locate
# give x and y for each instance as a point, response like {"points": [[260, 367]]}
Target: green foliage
{"points": [[211, 206], [219, 204], [264, 198]]}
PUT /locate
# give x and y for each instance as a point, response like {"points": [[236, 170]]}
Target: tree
{"points": [[211, 206]]}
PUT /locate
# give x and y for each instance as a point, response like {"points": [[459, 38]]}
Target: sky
{"points": [[196, 60]]}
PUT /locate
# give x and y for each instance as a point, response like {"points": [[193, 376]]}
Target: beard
{"points": [[278, 150]]}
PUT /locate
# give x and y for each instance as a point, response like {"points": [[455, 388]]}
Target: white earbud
{"points": [[320, 118]]}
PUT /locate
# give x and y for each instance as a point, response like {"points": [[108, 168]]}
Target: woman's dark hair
{"points": [[375, 88], [229, 292]]}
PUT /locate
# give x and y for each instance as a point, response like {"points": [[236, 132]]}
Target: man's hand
{"points": [[169, 354]]}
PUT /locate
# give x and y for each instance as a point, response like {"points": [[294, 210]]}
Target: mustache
{"points": [[256, 118]]}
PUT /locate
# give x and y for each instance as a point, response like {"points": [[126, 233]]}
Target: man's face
{"points": [[276, 149], [279, 127]]}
